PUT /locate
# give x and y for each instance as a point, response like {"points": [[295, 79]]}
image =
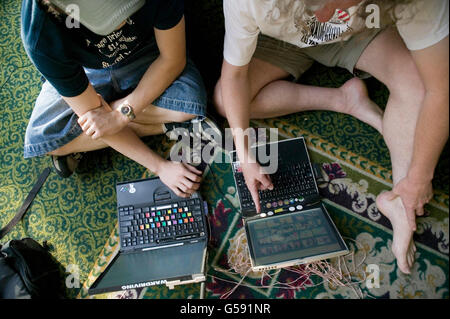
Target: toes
{"points": [[411, 254], [403, 266], [403, 261], [410, 258], [406, 262]]}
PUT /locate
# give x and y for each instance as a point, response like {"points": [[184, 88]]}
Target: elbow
{"points": [[181, 64], [232, 72], [175, 66]]}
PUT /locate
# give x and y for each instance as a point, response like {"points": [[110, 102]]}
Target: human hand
{"points": [[102, 121], [414, 195], [256, 180], [183, 179]]}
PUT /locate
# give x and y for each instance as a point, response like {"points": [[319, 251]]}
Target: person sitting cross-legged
{"points": [[115, 71], [269, 43]]}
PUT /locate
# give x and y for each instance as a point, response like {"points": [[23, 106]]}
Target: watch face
{"points": [[125, 109]]}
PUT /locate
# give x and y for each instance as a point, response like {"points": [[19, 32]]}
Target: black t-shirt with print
{"points": [[60, 52]]}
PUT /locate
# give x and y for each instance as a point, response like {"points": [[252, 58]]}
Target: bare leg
{"points": [[403, 246], [148, 122], [388, 60], [273, 96]]}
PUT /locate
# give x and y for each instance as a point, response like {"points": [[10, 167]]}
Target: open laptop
{"points": [[293, 226], [163, 238]]}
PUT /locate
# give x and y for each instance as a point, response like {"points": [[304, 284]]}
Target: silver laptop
{"points": [[293, 226]]}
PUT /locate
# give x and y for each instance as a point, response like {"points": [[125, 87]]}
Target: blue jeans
{"points": [[53, 123]]}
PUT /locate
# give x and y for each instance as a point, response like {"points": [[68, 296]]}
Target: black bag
{"points": [[27, 269]]}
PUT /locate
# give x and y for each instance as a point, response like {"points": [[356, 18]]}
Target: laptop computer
{"points": [[163, 238], [293, 226]]}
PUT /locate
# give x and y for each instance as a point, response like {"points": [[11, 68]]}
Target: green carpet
{"points": [[77, 215], [351, 185]]}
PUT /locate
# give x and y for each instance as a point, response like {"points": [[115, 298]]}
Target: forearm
{"points": [[164, 70], [432, 128], [431, 135], [129, 144], [236, 102], [158, 77], [125, 141]]}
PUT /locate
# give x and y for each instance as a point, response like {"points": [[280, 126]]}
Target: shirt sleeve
{"points": [[424, 23], [169, 14], [241, 33], [46, 48], [69, 79]]}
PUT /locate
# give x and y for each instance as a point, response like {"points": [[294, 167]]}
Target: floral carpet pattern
{"points": [[77, 216], [349, 191]]}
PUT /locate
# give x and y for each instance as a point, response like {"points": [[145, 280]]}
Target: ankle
{"points": [[341, 103]]}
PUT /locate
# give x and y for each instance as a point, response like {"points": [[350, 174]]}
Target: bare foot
{"points": [[403, 245], [358, 104]]}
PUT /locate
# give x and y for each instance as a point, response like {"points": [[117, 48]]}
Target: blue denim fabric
{"points": [[54, 124]]}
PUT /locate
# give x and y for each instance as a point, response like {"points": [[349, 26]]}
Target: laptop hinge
{"points": [[186, 280], [317, 170]]}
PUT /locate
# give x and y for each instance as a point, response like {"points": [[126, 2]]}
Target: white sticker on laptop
{"points": [[128, 188]]}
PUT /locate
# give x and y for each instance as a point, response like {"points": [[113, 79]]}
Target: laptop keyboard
{"points": [[294, 185], [142, 227]]}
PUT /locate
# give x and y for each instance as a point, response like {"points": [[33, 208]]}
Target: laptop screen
{"points": [[292, 236], [152, 267]]}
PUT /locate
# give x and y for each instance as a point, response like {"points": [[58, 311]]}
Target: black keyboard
{"points": [[149, 226], [294, 185]]}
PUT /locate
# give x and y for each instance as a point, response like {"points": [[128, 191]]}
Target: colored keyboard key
{"points": [[152, 225]]}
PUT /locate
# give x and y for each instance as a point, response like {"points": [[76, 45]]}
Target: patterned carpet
{"points": [[77, 215]]}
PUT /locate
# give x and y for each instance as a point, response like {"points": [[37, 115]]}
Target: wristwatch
{"points": [[126, 109]]}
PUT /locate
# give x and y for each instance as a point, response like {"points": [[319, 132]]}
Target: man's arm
{"points": [[236, 100], [432, 128], [235, 88]]}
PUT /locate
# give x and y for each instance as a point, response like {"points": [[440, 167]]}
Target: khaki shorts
{"points": [[296, 61]]}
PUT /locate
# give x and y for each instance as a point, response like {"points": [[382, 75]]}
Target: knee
{"points": [[217, 99], [408, 91], [407, 85]]}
